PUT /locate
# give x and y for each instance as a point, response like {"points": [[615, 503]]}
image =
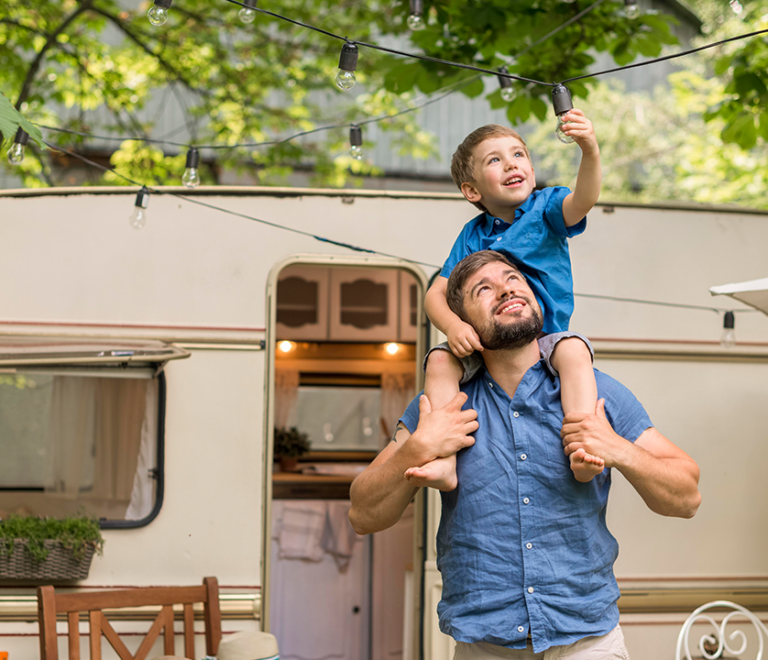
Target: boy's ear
{"points": [[533, 174], [471, 194]]}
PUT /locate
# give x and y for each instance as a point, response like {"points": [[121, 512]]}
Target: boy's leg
{"points": [[441, 383], [578, 393]]}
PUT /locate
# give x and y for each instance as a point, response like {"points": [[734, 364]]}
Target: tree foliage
{"points": [[98, 66]]}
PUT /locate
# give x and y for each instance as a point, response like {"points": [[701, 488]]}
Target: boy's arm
{"points": [[462, 338], [587, 189]]}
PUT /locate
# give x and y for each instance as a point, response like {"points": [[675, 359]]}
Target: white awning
{"points": [[25, 350], [753, 293]]}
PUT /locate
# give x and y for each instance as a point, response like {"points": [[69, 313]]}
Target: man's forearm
{"points": [[667, 484], [381, 493]]}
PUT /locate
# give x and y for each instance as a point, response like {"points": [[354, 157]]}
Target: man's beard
{"points": [[497, 336]]}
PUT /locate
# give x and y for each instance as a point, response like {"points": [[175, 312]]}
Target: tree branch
{"points": [[35, 66]]}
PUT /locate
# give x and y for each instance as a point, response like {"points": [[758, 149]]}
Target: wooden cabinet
{"points": [[320, 303]]}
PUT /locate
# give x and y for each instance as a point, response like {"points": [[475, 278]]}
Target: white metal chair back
{"points": [[719, 640]]}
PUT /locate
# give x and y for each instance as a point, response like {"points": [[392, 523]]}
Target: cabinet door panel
{"points": [[364, 304], [302, 303], [409, 307]]}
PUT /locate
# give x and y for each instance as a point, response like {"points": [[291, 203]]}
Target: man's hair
{"points": [[467, 267], [463, 161]]}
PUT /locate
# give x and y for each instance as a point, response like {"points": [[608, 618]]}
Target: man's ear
{"points": [[470, 193]]}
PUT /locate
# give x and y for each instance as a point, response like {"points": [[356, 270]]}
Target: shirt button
{"points": [[499, 238], [530, 590], [529, 545], [523, 456], [491, 385], [497, 222], [520, 629], [526, 500], [515, 414]]}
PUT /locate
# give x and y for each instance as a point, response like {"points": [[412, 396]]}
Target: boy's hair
{"points": [[462, 163], [467, 267]]}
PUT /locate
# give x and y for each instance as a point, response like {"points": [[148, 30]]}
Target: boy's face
{"points": [[504, 176]]}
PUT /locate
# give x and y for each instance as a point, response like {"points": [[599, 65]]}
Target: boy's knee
{"points": [[443, 363], [572, 349]]}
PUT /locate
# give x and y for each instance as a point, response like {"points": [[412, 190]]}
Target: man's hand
{"points": [[442, 432], [594, 434], [462, 339], [581, 130]]}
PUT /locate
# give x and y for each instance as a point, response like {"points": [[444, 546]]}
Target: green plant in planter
{"points": [[75, 533], [290, 443]]}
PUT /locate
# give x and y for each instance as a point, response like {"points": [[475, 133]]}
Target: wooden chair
{"points": [[50, 604]]}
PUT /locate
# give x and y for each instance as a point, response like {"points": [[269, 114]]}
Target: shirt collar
{"points": [[519, 211]]}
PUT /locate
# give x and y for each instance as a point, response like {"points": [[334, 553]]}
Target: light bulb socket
{"points": [[630, 4], [248, 3], [193, 157], [356, 136], [22, 137], [142, 198], [417, 7], [348, 57], [165, 4], [729, 321], [561, 99], [503, 80]]}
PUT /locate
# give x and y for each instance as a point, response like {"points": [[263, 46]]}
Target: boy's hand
{"points": [[463, 339], [580, 129]]}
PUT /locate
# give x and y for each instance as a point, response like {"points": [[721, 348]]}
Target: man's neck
{"points": [[507, 367]]}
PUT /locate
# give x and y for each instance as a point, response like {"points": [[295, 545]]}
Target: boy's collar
{"points": [[519, 211]]}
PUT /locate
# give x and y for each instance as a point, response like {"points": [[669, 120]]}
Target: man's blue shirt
{"points": [[521, 544], [536, 242]]}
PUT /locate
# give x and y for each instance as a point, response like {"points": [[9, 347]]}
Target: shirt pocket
{"points": [[551, 423]]}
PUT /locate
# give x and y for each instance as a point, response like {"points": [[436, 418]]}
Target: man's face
{"points": [[501, 307], [503, 174]]}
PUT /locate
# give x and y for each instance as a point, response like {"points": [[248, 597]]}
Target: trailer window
{"points": [[81, 443]]}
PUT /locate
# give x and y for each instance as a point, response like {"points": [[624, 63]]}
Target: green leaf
{"points": [[11, 120], [742, 131]]}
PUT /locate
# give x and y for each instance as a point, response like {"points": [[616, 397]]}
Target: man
{"points": [[523, 548]]}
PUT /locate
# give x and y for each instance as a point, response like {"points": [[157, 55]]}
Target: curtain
{"points": [[286, 397], [96, 427], [397, 390], [143, 493]]}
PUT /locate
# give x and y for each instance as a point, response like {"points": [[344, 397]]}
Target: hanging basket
{"points": [[60, 564]]}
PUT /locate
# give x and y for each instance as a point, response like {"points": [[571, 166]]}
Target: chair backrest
{"points": [[51, 604]]}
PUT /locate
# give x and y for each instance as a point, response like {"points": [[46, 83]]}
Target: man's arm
{"points": [[663, 474], [587, 189], [381, 493]]}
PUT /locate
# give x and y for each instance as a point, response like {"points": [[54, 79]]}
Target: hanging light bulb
{"points": [[356, 142], [246, 14], [507, 86], [16, 151], [139, 216], [416, 18], [191, 177], [561, 99], [631, 8], [728, 338], [345, 78], [736, 6], [158, 12]]}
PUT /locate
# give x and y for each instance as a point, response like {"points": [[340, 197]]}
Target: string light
{"points": [[139, 216], [247, 14], [345, 78], [16, 151], [356, 142], [158, 12], [631, 9], [416, 18], [728, 338], [191, 177], [736, 6], [561, 99], [507, 88]]}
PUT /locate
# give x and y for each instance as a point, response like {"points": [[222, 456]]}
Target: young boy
{"points": [[493, 169]]}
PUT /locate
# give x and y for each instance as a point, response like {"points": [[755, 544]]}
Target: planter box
{"points": [[58, 565]]}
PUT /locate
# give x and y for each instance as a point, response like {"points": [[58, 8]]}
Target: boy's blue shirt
{"points": [[536, 242]]}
